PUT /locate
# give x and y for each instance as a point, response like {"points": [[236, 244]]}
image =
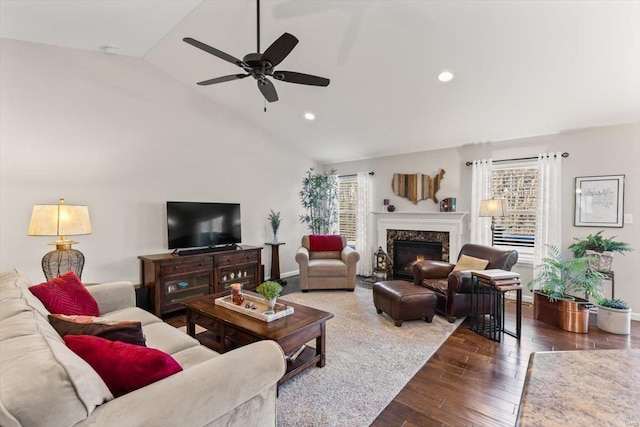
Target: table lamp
{"points": [[493, 208], [61, 220]]}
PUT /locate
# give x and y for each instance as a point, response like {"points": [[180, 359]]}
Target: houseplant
{"points": [[274, 220], [270, 291], [319, 197], [614, 316], [558, 278], [605, 247]]}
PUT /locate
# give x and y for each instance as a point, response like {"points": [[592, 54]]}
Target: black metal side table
{"points": [[488, 288]]}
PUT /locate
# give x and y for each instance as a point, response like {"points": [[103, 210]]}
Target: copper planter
{"points": [[569, 315]]}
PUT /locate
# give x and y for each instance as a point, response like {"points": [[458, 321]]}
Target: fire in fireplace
{"points": [[407, 252]]}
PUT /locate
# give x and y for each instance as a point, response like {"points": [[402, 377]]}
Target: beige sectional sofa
{"points": [[43, 383]]}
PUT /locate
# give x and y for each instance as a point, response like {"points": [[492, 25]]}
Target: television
{"points": [[193, 224]]}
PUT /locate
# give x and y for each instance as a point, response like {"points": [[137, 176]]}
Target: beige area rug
{"points": [[369, 360]]}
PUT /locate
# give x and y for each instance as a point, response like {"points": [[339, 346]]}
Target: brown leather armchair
{"points": [[453, 288]]}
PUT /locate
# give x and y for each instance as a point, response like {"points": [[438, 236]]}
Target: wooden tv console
{"points": [[170, 278]]}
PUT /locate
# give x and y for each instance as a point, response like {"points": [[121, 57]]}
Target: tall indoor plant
{"points": [[558, 278], [319, 197]]}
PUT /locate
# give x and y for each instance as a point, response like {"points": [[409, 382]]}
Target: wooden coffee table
{"points": [[231, 329]]}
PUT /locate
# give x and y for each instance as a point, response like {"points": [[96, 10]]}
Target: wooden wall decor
{"points": [[417, 186]]}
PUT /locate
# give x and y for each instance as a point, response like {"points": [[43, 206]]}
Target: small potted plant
{"points": [[270, 291], [599, 249], [558, 279], [614, 316], [274, 220]]}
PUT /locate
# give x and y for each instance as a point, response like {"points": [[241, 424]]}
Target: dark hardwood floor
{"points": [[473, 381]]}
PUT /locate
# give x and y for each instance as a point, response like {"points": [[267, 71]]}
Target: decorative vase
{"points": [[614, 320], [274, 236], [271, 305]]}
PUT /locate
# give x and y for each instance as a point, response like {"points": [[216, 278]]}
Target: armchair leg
{"points": [[451, 319]]}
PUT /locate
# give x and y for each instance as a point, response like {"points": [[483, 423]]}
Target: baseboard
{"points": [[529, 299], [285, 275]]}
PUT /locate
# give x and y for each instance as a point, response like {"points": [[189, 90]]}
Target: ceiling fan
{"points": [[261, 65]]}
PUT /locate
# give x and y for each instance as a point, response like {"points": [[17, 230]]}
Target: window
{"points": [[347, 207], [518, 184]]}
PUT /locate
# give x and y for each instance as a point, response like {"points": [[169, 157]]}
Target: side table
{"points": [[494, 284], [275, 262]]}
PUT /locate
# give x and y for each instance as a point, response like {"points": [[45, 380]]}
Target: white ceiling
{"points": [[522, 68]]}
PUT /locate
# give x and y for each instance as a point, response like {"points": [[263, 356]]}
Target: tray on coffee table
{"points": [[260, 312]]}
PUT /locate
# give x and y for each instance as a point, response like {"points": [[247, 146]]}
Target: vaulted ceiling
{"points": [[521, 68]]}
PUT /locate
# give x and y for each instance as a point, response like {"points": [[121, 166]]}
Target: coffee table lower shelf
{"points": [[305, 360]]}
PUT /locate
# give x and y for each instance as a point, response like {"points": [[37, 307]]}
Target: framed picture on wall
{"points": [[599, 201]]}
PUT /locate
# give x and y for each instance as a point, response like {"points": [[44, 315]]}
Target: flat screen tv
{"points": [[192, 224]]}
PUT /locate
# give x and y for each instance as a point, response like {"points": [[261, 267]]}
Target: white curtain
{"points": [[548, 213], [363, 225], [480, 190]]}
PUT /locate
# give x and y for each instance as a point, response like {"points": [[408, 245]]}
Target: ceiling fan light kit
{"points": [[261, 65]]}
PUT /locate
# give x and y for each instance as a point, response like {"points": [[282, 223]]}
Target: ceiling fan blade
{"points": [[213, 51], [223, 79], [268, 90], [300, 78], [279, 49]]}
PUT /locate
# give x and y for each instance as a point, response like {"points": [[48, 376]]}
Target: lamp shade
{"points": [[59, 220], [493, 208]]}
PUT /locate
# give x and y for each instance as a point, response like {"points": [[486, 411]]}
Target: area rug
{"points": [[369, 360]]}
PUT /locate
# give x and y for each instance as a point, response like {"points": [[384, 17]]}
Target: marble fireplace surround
{"points": [[450, 222]]}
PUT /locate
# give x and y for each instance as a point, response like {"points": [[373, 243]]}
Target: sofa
{"points": [[453, 288], [44, 383], [326, 262]]}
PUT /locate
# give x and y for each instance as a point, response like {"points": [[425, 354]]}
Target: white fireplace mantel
{"points": [[451, 222]]}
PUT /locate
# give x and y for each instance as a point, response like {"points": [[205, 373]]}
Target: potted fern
{"points": [[557, 280], [614, 316], [599, 249]]}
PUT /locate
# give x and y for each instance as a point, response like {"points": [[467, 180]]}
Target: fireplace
{"points": [[407, 252]]}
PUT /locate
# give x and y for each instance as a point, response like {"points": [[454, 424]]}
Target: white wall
{"points": [[596, 151], [116, 134]]}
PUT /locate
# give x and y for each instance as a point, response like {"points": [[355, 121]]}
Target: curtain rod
{"points": [[565, 155], [354, 174]]}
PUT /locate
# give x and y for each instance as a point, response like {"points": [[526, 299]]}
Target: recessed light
{"points": [[309, 116], [445, 76], [110, 49]]}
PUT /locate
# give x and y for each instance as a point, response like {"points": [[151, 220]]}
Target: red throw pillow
{"points": [[128, 331], [325, 242], [66, 295], [123, 367]]}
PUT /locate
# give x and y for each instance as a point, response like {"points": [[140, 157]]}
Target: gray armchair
{"points": [[327, 266]]}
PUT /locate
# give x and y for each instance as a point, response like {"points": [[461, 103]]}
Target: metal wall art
{"points": [[417, 186]]}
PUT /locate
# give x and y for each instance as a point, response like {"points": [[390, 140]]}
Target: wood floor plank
{"points": [[481, 379]]}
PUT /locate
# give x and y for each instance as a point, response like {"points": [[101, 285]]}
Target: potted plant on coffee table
{"points": [[614, 316], [554, 287], [270, 291]]}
